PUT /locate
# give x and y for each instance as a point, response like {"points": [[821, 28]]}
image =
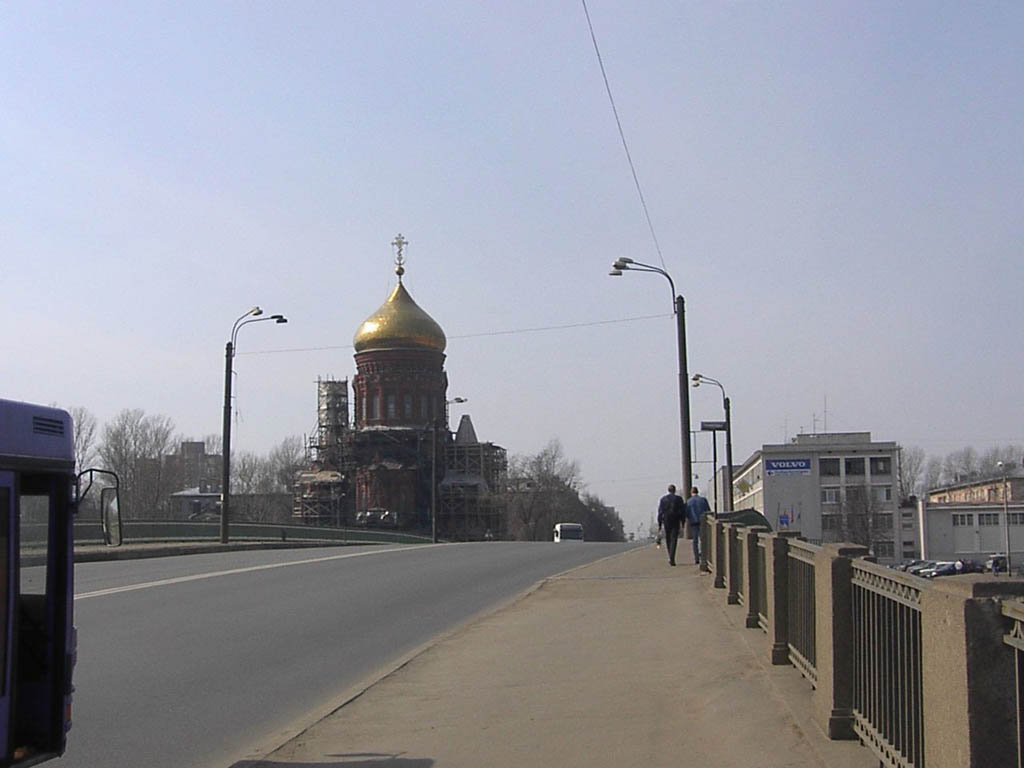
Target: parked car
{"points": [[922, 565], [943, 568], [907, 565]]}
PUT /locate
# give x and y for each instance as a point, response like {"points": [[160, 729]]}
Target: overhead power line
{"points": [[622, 135], [511, 332]]}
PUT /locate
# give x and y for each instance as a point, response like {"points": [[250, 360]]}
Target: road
{"points": [[199, 660]]}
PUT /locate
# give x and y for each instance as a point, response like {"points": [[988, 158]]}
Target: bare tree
{"points": [[256, 486], [933, 477], [286, 459], [214, 444], [911, 467], [961, 466], [133, 446], [85, 436], [546, 488], [861, 520], [542, 486], [1010, 455]]}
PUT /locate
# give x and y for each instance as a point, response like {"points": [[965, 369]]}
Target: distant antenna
{"points": [[826, 413]]}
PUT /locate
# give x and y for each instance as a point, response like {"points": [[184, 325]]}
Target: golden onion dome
{"points": [[399, 323]]}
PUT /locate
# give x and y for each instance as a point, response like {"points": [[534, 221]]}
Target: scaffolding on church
{"points": [[322, 488], [472, 494]]}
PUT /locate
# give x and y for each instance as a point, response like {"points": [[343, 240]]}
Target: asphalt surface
{"points": [[201, 660]]}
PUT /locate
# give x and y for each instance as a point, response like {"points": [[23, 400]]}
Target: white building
{"points": [[834, 486], [970, 531]]}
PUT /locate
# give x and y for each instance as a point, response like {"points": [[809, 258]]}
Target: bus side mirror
{"points": [[111, 515]]}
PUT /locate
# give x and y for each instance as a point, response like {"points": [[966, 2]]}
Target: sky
{"points": [[836, 190]]}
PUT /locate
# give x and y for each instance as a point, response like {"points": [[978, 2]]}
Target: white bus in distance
{"points": [[568, 532]]}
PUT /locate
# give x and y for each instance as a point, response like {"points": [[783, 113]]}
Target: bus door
{"points": [[40, 644]]}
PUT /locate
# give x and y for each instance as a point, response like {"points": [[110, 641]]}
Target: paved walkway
{"points": [[625, 662]]}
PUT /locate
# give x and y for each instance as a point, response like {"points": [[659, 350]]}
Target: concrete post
{"points": [[731, 565], [833, 626], [777, 594], [968, 679], [751, 576], [706, 533], [718, 545]]}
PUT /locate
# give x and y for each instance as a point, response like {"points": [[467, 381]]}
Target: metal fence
{"points": [[91, 532], [1014, 611], [887, 695], [802, 649]]}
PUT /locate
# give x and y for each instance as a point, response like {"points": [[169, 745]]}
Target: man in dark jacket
{"points": [[696, 507], [671, 511]]}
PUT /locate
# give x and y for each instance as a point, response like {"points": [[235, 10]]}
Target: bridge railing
{"points": [[922, 672], [887, 693], [802, 607]]}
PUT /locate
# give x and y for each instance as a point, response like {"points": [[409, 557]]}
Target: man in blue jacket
{"points": [[696, 507], [671, 511]]}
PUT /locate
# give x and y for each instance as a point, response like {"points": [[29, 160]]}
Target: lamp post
{"points": [[625, 264], [698, 379], [1006, 515], [229, 354], [714, 427]]}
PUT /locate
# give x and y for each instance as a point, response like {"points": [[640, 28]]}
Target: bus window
{"points": [[34, 545]]}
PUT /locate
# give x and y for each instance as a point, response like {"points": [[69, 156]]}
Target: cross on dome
{"points": [[399, 242]]}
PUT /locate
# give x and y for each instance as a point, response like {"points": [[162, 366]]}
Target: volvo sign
{"points": [[774, 467]]}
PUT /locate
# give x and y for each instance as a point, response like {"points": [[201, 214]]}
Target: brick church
{"points": [[396, 463]]}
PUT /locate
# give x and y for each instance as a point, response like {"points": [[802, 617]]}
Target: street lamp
{"points": [[698, 379], [625, 264], [1006, 515], [229, 354]]}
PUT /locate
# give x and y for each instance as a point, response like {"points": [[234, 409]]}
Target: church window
{"points": [[375, 409], [408, 406], [423, 406], [391, 406]]}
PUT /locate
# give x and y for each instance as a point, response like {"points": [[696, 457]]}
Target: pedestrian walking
{"points": [[671, 512], [696, 507]]}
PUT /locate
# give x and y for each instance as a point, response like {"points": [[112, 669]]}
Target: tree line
{"points": [[920, 472], [144, 450]]}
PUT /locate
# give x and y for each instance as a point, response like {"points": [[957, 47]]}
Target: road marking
{"points": [[214, 574]]}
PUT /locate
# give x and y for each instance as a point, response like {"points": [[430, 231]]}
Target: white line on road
{"points": [[214, 574]]}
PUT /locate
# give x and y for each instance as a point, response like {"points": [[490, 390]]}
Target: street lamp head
{"points": [[615, 272], [279, 318], [625, 259], [621, 264], [256, 311]]}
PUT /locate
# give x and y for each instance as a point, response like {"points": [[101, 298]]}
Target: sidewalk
{"points": [[624, 662]]}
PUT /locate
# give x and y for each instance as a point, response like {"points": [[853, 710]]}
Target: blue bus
{"points": [[39, 491]]}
